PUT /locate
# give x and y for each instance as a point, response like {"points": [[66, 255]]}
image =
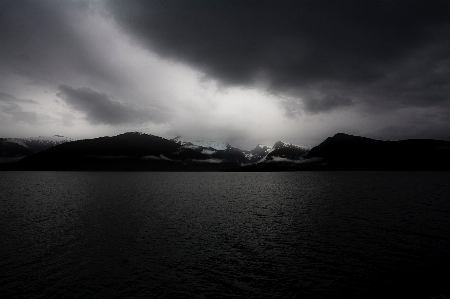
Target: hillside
{"points": [[143, 152], [347, 152]]}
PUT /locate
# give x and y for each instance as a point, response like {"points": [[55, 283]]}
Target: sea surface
{"points": [[225, 235]]}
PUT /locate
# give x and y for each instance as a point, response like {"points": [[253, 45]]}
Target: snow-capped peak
{"points": [[39, 143], [57, 138], [281, 144], [220, 146]]}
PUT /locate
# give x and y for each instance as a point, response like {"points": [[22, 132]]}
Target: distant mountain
{"points": [[347, 152], [126, 152], [286, 151], [216, 151], [257, 154], [283, 156], [14, 149], [143, 152], [215, 145]]}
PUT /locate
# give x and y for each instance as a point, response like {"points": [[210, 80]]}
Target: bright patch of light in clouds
{"points": [[195, 107]]}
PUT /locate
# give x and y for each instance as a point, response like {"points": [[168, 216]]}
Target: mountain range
{"points": [[14, 149], [143, 152]]}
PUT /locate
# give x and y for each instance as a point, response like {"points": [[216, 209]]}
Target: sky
{"points": [[241, 72]]}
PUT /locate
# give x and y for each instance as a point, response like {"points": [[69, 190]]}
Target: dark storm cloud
{"points": [[101, 109], [326, 103], [10, 105], [372, 52], [40, 42]]}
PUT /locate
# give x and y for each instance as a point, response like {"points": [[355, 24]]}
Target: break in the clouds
{"points": [[242, 72]]}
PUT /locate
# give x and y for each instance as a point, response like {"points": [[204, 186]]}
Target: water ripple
{"points": [[224, 235]]}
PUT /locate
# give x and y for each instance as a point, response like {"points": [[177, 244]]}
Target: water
{"points": [[224, 235]]}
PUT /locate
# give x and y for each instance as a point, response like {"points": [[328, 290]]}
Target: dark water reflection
{"points": [[224, 235]]}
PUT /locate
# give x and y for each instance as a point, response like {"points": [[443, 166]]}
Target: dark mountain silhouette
{"points": [[231, 154], [260, 150], [347, 152], [41, 143], [125, 152], [143, 152], [286, 150], [14, 149], [282, 156]]}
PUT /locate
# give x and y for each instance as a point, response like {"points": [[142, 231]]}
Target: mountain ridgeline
{"points": [[14, 149], [143, 152], [347, 152]]}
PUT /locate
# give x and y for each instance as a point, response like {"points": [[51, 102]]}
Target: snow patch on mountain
{"points": [[279, 150], [51, 138], [54, 138], [40, 143], [220, 146], [282, 144]]}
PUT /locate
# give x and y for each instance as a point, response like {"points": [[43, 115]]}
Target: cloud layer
{"points": [[328, 54], [242, 72], [101, 109], [13, 108]]}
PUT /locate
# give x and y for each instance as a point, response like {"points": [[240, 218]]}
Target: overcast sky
{"points": [[242, 72]]}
